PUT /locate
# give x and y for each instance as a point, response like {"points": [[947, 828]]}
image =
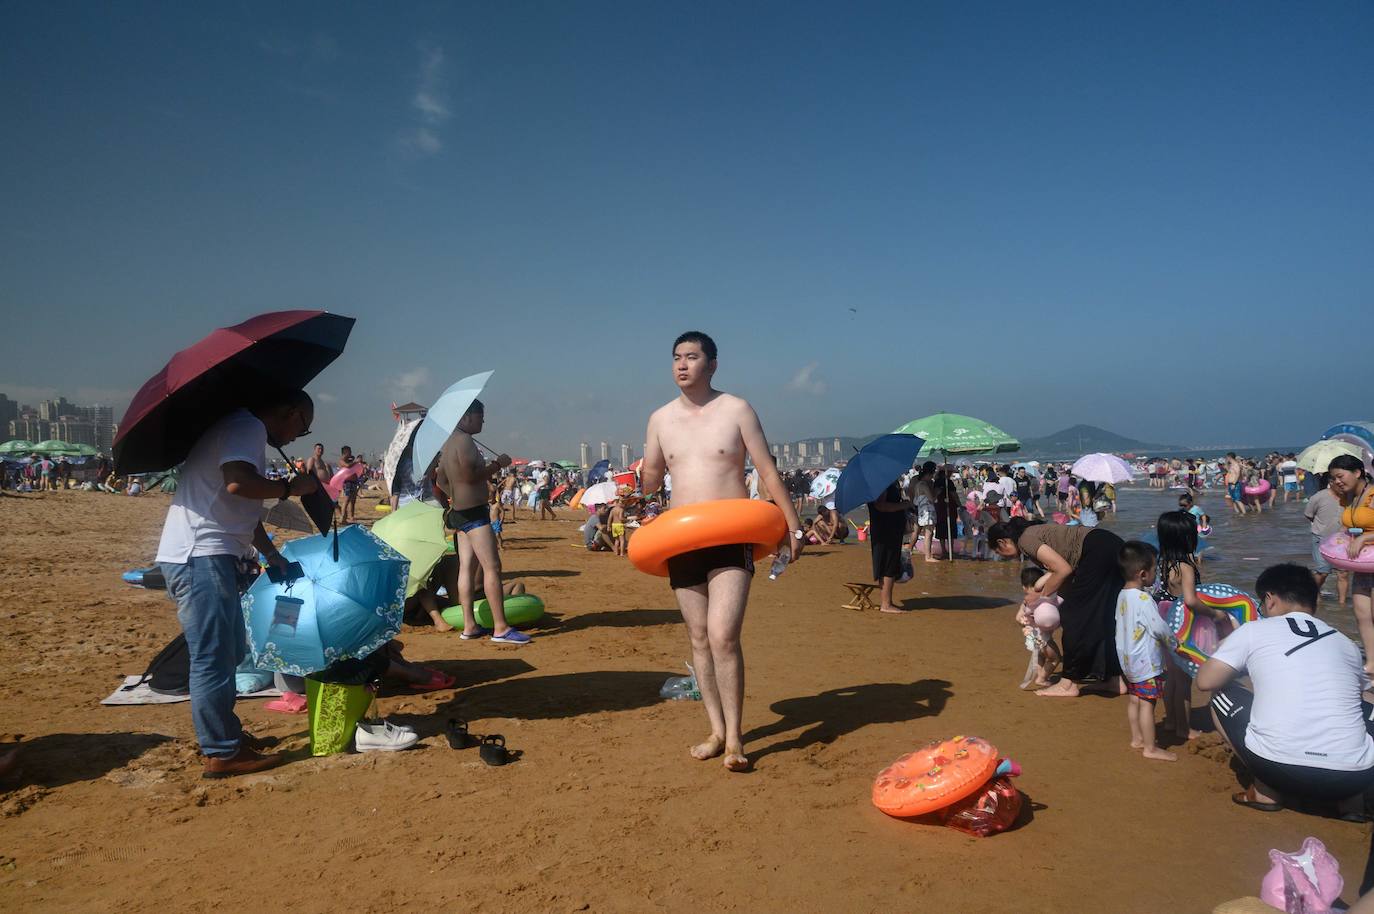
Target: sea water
{"points": [[1239, 547]]}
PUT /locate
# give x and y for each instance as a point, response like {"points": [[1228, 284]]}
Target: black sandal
{"points": [[1244, 799], [458, 735]]}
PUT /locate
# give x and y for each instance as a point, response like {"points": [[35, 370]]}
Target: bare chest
{"points": [[700, 438]]}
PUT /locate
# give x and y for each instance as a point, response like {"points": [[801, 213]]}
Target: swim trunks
{"points": [[496, 527], [1236, 491], [691, 569], [465, 520], [1146, 689], [617, 530]]}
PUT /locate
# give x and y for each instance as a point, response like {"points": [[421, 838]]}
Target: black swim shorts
{"points": [[466, 519], [1232, 707], [691, 569]]}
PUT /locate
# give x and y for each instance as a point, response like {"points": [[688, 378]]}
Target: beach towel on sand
{"points": [[136, 692]]}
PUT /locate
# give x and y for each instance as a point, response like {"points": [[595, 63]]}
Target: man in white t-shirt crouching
{"points": [[1304, 733], [213, 522]]}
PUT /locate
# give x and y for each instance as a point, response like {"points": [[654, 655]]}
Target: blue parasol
{"points": [[873, 469], [337, 611], [598, 471]]}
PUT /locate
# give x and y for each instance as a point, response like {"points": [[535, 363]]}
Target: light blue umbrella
{"points": [[441, 419], [339, 610]]}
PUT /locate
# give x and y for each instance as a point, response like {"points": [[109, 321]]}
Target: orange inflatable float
{"points": [[705, 524], [934, 776]]}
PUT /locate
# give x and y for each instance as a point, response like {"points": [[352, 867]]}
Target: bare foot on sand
{"points": [[1064, 688], [889, 608], [1155, 752], [713, 747], [1137, 744], [1194, 734], [735, 759], [439, 624]]}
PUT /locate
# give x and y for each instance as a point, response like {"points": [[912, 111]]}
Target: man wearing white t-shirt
{"points": [[214, 521], [1305, 730]]}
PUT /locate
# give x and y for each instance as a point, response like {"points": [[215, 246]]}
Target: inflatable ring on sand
{"points": [[706, 524], [521, 609], [1334, 547], [1198, 636], [383, 508], [934, 776], [1258, 489]]}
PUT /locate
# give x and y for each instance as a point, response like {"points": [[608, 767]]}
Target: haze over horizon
{"points": [[1152, 220]]}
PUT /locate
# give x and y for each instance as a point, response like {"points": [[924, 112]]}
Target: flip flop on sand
{"points": [[437, 680], [479, 633], [1247, 799]]}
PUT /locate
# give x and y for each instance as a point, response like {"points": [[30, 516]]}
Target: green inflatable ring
{"points": [[521, 609]]}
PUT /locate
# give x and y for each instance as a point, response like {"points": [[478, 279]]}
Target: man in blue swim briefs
{"points": [[1235, 483], [464, 475], [701, 438]]}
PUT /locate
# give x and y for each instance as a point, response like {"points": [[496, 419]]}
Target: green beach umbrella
{"points": [[951, 433], [54, 448], [416, 531], [19, 447]]}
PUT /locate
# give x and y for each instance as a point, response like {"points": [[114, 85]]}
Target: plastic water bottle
{"points": [[779, 564]]}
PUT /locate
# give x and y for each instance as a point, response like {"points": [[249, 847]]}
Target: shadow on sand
{"points": [[58, 759], [624, 618], [826, 717], [549, 697], [956, 602]]}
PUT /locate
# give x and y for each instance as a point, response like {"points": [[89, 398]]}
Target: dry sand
{"points": [[605, 811]]}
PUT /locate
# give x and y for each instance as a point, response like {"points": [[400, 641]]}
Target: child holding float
{"points": [[1039, 619], [1142, 639]]}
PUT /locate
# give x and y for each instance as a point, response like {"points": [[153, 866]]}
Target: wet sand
{"points": [[605, 811]]}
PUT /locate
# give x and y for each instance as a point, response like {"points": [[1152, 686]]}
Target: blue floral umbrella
{"points": [[339, 610]]}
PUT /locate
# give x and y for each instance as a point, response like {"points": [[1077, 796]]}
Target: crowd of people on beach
{"points": [[1091, 611]]}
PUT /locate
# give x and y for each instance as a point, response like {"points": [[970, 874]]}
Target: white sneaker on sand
{"points": [[382, 736]]}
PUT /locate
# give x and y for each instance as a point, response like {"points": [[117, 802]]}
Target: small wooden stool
{"points": [[859, 595]]}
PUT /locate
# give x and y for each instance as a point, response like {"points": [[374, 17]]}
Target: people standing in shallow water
{"points": [[701, 438], [1083, 563]]}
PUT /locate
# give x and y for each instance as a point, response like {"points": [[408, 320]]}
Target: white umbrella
{"points": [[823, 486], [599, 494], [443, 416], [1317, 457], [1102, 468]]}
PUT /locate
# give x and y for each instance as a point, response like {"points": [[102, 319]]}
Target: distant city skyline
{"points": [[57, 419]]}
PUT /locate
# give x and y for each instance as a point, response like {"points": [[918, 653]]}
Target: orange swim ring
{"points": [[705, 524], [935, 776]]}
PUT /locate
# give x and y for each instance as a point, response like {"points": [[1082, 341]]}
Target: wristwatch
{"points": [[797, 534]]}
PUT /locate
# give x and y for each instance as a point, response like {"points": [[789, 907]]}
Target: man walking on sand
{"points": [[465, 476], [701, 438]]}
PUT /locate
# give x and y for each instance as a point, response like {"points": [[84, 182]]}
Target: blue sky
{"points": [[1153, 217]]}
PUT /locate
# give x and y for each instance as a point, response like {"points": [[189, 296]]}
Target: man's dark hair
{"points": [[317, 445], [345, 448], [1290, 583], [476, 407], [1029, 575], [1135, 557], [708, 345]]}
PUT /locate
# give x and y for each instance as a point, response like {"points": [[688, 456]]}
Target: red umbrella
{"points": [[232, 367]]}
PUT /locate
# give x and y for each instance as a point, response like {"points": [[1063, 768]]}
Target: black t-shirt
{"points": [[887, 524]]}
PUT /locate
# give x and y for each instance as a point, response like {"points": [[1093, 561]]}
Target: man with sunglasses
{"points": [[214, 521]]}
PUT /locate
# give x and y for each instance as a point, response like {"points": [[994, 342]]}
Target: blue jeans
{"points": [[207, 596]]}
